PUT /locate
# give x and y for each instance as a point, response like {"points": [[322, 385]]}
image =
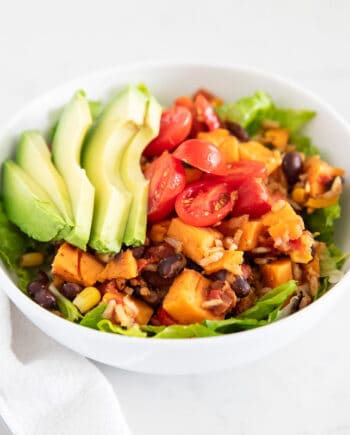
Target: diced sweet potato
{"points": [[158, 231], [227, 143], [195, 241], [319, 173], [256, 151], [231, 261], [124, 266], [186, 296], [277, 272], [73, 265], [301, 249], [144, 311], [250, 235], [278, 137], [229, 227]]}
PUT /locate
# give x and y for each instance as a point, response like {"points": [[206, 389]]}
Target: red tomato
{"points": [[205, 112], [175, 126], [201, 154], [204, 203], [236, 173], [167, 179], [165, 318], [197, 125], [253, 199]]}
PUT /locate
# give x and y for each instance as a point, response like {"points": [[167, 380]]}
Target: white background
{"points": [[305, 388]]}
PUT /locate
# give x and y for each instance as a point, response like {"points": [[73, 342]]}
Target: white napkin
{"points": [[46, 389]]}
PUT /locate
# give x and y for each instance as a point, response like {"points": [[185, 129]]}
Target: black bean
{"points": [[220, 275], [155, 281], [171, 266], [241, 287], [35, 286], [292, 166], [45, 298], [70, 290], [138, 251], [238, 131]]}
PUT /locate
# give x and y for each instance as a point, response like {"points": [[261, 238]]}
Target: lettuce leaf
{"points": [[107, 326], [304, 145], [66, 307], [92, 318], [322, 221], [233, 324], [180, 331], [291, 119]]}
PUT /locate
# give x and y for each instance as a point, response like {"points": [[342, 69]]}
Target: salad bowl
{"points": [[181, 356]]}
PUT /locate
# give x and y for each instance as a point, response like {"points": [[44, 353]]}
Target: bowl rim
{"points": [[26, 305]]}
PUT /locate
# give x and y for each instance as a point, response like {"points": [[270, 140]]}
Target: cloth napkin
{"points": [[46, 389]]}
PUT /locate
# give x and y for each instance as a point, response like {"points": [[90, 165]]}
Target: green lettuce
{"points": [[107, 326], [304, 145], [66, 307], [233, 324], [180, 331], [322, 221], [92, 318]]}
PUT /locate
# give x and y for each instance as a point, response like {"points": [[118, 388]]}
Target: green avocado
{"points": [[67, 144], [103, 150], [135, 232], [34, 157], [28, 206]]}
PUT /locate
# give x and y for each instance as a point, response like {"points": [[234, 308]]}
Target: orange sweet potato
{"points": [[124, 266], [283, 223], [277, 272], [143, 311], [195, 241], [227, 143], [319, 173], [158, 231], [256, 151], [250, 235], [186, 296], [231, 261], [73, 265], [278, 137]]}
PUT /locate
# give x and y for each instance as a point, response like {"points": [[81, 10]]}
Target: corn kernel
{"points": [[31, 259], [87, 299], [299, 195]]}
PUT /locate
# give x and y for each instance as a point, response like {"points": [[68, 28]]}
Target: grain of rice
{"points": [[211, 259], [176, 244], [261, 250], [211, 303], [237, 237], [278, 205], [108, 312]]}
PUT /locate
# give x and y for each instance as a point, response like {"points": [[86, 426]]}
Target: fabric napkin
{"points": [[46, 389]]}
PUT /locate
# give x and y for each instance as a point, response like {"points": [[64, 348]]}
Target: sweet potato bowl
{"points": [[179, 356]]}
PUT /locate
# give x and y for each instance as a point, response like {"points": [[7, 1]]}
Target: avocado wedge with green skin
{"points": [[103, 150], [34, 157], [28, 206], [67, 144], [137, 185]]}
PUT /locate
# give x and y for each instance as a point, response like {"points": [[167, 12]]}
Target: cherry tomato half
{"points": [[205, 112], [165, 318], [175, 126], [167, 179], [201, 154], [204, 203], [237, 173], [253, 199]]}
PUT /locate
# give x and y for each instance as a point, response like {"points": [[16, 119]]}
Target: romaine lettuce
{"points": [[107, 326], [66, 307], [92, 318]]}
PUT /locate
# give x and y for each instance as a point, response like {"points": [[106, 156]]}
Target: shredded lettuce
{"points": [[322, 221], [107, 326], [180, 331], [66, 307], [92, 318]]}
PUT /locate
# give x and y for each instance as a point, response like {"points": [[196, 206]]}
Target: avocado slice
{"points": [[28, 206], [135, 182], [103, 150], [67, 144], [34, 157]]}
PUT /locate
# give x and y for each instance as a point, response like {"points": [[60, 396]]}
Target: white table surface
{"points": [[305, 387]]}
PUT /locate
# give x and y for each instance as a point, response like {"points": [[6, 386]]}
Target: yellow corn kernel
{"points": [[299, 195], [87, 299], [31, 259]]}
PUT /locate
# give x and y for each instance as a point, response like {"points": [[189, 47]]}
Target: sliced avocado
{"points": [[34, 157], [135, 182], [67, 143], [28, 206], [102, 153]]}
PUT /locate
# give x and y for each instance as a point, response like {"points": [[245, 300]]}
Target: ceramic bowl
{"points": [[178, 356]]}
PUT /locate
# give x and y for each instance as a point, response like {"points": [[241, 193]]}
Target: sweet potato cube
{"points": [[251, 231], [283, 223], [319, 173], [256, 151], [158, 231], [186, 296], [231, 261], [277, 272], [301, 249], [65, 263], [124, 266], [228, 227], [144, 311], [226, 143], [195, 241], [73, 265], [278, 137]]}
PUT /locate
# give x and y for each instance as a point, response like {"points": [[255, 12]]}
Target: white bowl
{"points": [[178, 356]]}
